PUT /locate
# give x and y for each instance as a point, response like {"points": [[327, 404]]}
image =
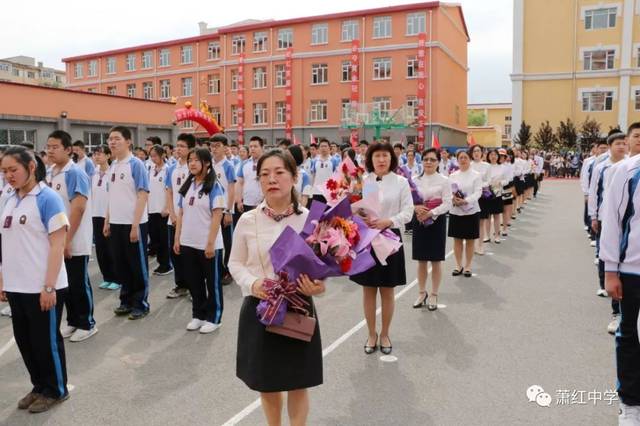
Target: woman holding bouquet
{"points": [[396, 209], [508, 192], [267, 362], [494, 204], [430, 227], [464, 217], [482, 167]]}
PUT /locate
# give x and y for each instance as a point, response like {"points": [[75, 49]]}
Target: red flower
{"points": [[345, 264], [345, 169], [334, 195], [331, 185], [355, 198]]}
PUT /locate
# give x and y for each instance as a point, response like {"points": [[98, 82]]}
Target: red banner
{"points": [[288, 98], [355, 84], [422, 88], [240, 110]]}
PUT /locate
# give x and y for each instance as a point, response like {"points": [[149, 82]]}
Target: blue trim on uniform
{"points": [[87, 288], [629, 212], [89, 168], [77, 182], [145, 273], [53, 336], [241, 170], [229, 172], [139, 174], [49, 204], [216, 191], [216, 290], [168, 175]]}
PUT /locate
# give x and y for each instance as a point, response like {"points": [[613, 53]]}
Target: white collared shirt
{"points": [[86, 165], [197, 209], [126, 179], [470, 183], [251, 190], [322, 170], [435, 186], [99, 194], [482, 167], [396, 202], [177, 175], [157, 192]]}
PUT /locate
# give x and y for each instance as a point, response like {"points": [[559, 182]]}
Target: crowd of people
{"points": [[210, 210]]}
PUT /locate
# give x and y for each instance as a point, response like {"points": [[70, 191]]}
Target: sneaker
{"points": [[592, 243], [613, 325], [629, 415], [138, 314], [209, 327], [122, 310], [586, 228], [114, 286], [79, 335], [602, 292], [177, 292], [27, 400], [44, 403], [67, 331], [596, 261], [227, 280], [6, 311], [105, 285], [195, 324], [162, 271]]}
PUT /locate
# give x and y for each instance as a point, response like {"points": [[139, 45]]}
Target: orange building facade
{"points": [[208, 68]]}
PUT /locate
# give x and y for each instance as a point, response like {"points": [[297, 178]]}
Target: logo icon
{"points": [[536, 394], [23, 219]]}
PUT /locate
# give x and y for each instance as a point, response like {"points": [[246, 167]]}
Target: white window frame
{"points": [[112, 90], [147, 59], [345, 70], [280, 75], [165, 57], [238, 44], [344, 109], [131, 90], [234, 115], [147, 90], [260, 41], [412, 67], [416, 23], [281, 112], [213, 50], [319, 74], [319, 34], [215, 111], [78, 70], [187, 86], [234, 80], [590, 91], [611, 10], [92, 68], [586, 57], [213, 84], [260, 78], [285, 38], [382, 27], [383, 105], [186, 55], [130, 62], [260, 113], [382, 68], [165, 89], [319, 111], [349, 30], [412, 105]]}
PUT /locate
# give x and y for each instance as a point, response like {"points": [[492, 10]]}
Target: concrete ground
{"points": [[529, 317]]}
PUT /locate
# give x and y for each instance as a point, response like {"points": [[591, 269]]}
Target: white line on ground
{"points": [[7, 346], [340, 340]]}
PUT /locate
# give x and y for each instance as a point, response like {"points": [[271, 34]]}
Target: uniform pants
{"points": [[176, 260], [132, 266], [103, 251], [203, 276], [79, 300], [227, 238], [159, 238], [627, 344], [40, 343]]}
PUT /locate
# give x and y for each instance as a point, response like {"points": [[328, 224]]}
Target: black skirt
{"points": [[269, 362], [528, 180], [494, 205], [507, 193], [390, 275], [429, 241], [508, 202], [520, 186], [464, 227], [484, 208]]}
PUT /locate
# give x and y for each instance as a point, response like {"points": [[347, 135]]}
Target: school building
{"points": [[404, 65], [495, 130]]}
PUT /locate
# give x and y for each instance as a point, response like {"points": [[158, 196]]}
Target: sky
{"points": [[50, 31]]}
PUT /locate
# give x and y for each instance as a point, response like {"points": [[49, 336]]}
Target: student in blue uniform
{"points": [[80, 157], [158, 212], [73, 185], [322, 168], [199, 241], [303, 181], [248, 186], [34, 221], [126, 223]]}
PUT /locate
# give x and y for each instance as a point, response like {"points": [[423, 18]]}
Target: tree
{"points": [[567, 135], [544, 138], [476, 118], [524, 135], [589, 133]]}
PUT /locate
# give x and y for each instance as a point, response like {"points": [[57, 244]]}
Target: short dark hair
{"points": [[323, 140], [432, 151], [220, 137], [471, 148], [313, 145], [463, 151], [489, 151], [257, 138], [615, 137], [296, 153], [380, 146], [155, 140], [187, 138], [62, 136], [168, 145], [398, 145], [363, 142], [79, 144], [124, 131], [102, 148], [602, 142], [285, 142], [633, 126]]}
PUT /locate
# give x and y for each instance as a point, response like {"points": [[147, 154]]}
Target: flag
{"points": [[295, 140], [311, 139], [435, 143], [471, 141]]}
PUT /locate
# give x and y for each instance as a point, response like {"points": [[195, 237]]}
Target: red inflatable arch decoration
{"points": [[202, 116]]}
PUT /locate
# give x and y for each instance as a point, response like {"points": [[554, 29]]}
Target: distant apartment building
{"points": [[25, 70], [495, 130]]}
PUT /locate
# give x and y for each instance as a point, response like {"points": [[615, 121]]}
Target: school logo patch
{"points": [[58, 186], [199, 194], [23, 219], [121, 176]]}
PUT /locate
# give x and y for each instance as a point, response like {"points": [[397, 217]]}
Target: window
{"points": [[506, 132], [4, 67], [93, 69], [382, 104], [165, 89], [237, 45], [164, 57], [320, 34], [187, 86], [213, 50], [92, 139], [147, 59], [260, 113], [215, 111], [416, 23], [319, 74], [16, 136], [234, 115], [187, 124], [412, 67], [16, 71], [111, 65], [637, 99], [147, 90], [31, 74], [346, 72], [131, 90], [280, 76], [44, 74], [234, 80], [214, 84], [381, 68], [412, 106], [344, 116], [260, 41], [507, 118], [318, 111], [281, 113], [186, 54], [285, 38], [382, 27], [260, 78], [598, 60], [131, 62], [349, 30], [597, 101], [111, 90], [600, 18], [77, 72]]}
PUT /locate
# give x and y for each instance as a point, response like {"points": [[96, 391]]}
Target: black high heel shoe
{"points": [[386, 349], [371, 349], [421, 301]]}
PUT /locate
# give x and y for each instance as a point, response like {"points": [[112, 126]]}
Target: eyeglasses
{"points": [[430, 160]]}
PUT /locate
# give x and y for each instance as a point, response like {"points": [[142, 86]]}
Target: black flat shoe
{"points": [[386, 349], [371, 349], [487, 240], [468, 273], [456, 272], [422, 301]]}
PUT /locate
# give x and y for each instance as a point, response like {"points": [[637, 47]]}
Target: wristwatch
{"points": [[49, 290]]}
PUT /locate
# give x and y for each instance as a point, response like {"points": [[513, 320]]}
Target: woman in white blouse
{"points": [[508, 193], [495, 205], [430, 227], [267, 362], [396, 209], [413, 165], [464, 217], [482, 167]]}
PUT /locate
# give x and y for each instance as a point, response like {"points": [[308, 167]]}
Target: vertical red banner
{"points": [[422, 88], [240, 110], [355, 85], [288, 97]]}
